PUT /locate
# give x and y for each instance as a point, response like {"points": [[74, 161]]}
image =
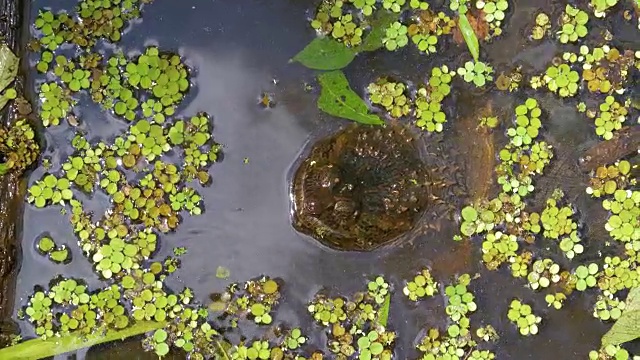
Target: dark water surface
{"points": [[239, 49]]}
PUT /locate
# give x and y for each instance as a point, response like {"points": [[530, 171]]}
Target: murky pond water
{"points": [[240, 49]]}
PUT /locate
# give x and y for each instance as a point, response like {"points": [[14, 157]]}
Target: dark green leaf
{"points": [[325, 54], [383, 313], [627, 327], [379, 25], [337, 99], [8, 66], [469, 36]]}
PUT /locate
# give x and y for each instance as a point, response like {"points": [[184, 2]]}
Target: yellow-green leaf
{"points": [[469, 36], [337, 99], [627, 327], [325, 54]]}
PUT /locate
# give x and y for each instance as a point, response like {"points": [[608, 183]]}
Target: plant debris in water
{"points": [[358, 189], [361, 187]]}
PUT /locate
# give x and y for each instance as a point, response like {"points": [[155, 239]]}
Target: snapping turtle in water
{"points": [[361, 188]]}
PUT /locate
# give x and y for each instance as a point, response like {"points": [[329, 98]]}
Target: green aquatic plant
{"points": [[626, 328], [347, 31], [522, 315], [362, 315], [458, 5], [370, 347], [610, 118], [392, 96], [610, 352], [562, 80], [586, 276], [460, 302], [469, 36], [477, 72], [56, 103], [494, 12], [556, 300], [544, 272], [428, 103], [393, 5], [600, 7], [527, 123], [396, 36], [337, 98], [607, 179], [542, 26], [39, 348], [608, 308], [574, 24], [18, 147], [423, 285], [623, 223], [497, 248], [419, 4], [557, 221]]}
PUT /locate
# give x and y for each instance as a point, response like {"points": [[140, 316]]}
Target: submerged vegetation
{"points": [[358, 189]]}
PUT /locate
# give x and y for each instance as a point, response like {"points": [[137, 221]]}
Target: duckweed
{"points": [[393, 5], [544, 272], [562, 80], [600, 7], [523, 316], [56, 103], [556, 221], [574, 24], [555, 300], [360, 316], [396, 36], [18, 147], [608, 308], [423, 285], [392, 96], [494, 12], [624, 221], [477, 72], [542, 26], [610, 352], [607, 179], [586, 276], [610, 118], [497, 248], [429, 113]]}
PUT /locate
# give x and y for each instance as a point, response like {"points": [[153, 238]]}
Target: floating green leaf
{"points": [[469, 36], [373, 40], [337, 99], [383, 313], [627, 328], [38, 348], [325, 54], [8, 66], [8, 72]]}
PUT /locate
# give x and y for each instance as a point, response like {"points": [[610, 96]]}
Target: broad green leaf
{"points": [[38, 348], [383, 313], [337, 99], [379, 25], [8, 66], [325, 54], [627, 327], [469, 36]]}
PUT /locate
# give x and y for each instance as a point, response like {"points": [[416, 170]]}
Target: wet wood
{"points": [[478, 150], [625, 142], [12, 186]]}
